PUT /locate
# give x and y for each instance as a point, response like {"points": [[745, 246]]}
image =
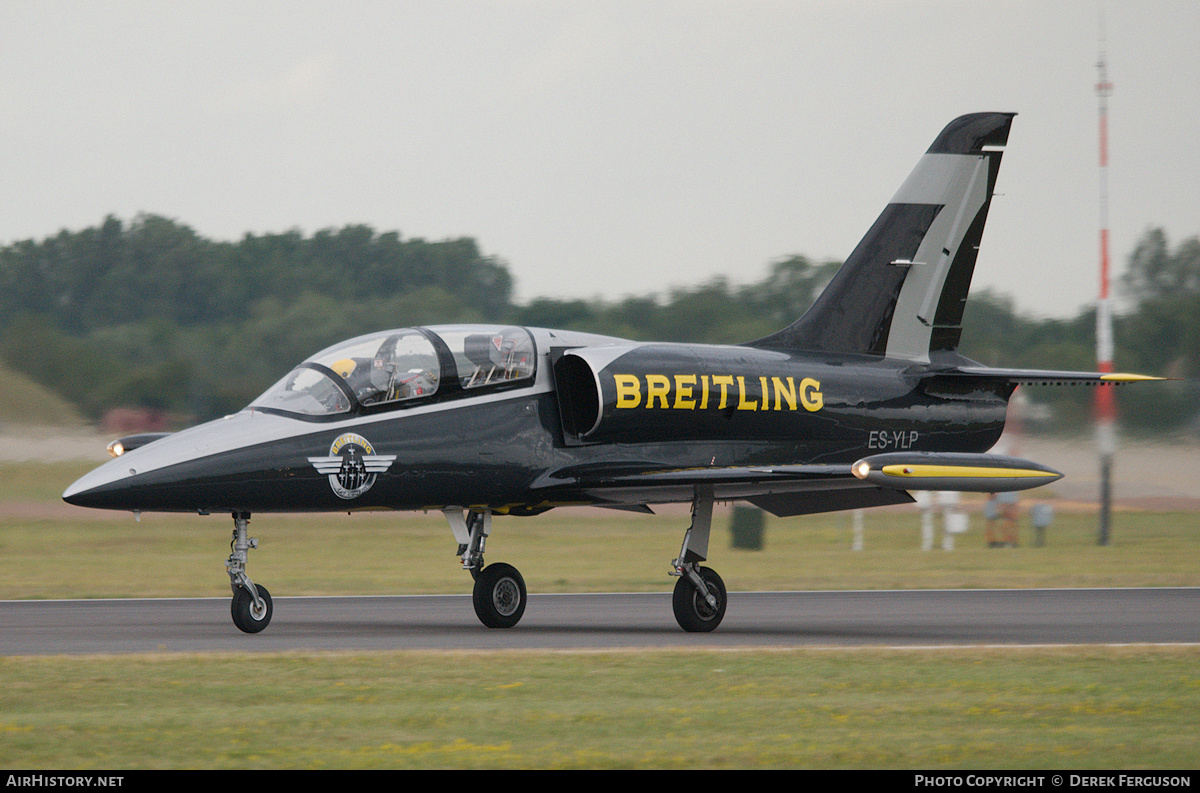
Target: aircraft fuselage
{"points": [[634, 406]]}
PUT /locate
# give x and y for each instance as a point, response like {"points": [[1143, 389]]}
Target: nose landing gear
{"points": [[251, 607]]}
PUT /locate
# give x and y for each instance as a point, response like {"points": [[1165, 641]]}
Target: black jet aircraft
{"points": [[860, 400]]}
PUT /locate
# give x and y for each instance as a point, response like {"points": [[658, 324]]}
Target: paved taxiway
{"points": [[567, 622]]}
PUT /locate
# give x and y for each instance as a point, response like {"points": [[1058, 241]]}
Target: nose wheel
{"points": [[249, 614], [251, 607]]}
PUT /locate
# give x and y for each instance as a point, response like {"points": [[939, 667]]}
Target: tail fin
{"points": [[902, 291]]}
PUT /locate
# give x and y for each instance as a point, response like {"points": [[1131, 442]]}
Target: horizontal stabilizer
{"points": [[1041, 377], [974, 473]]}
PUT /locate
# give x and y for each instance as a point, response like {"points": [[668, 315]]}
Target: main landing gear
{"points": [[699, 598], [251, 606], [499, 595]]}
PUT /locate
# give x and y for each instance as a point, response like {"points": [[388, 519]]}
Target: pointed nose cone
{"points": [[158, 477], [241, 462], [144, 476], [107, 487], [76, 495]]}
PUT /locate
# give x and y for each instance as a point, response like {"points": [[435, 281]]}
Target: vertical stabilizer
{"points": [[902, 290]]}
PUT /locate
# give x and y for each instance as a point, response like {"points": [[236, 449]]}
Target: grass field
{"points": [[1024, 708], [1019, 709]]}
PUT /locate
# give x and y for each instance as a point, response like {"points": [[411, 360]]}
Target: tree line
{"points": [[148, 313]]}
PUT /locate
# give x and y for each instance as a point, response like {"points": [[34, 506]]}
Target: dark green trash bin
{"points": [[747, 527]]}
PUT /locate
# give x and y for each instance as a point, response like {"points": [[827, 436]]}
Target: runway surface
{"points": [[611, 621]]}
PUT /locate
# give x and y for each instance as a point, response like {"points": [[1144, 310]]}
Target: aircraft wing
{"points": [[787, 490], [783, 490]]}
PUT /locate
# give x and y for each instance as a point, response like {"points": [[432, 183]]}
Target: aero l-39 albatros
{"points": [[860, 400]]}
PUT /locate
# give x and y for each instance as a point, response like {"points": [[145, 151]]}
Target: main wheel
{"points": [[248, 618], [499, 596], [692, 611]]}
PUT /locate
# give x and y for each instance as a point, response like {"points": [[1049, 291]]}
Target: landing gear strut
{"points": [[699, 598], [251, 607], [499, 595]]}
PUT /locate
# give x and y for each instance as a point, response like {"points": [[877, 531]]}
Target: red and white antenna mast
{"points": [[1106, 435]]}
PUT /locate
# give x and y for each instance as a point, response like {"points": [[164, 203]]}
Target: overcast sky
{"points": [[601, 148]]}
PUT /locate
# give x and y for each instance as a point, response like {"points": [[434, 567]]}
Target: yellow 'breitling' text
{"points": [[718, 392]]}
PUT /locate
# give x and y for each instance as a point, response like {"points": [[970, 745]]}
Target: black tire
{"points": [[499, 596], [692, 611], [245, 617]]}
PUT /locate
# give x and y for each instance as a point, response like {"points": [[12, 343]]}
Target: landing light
{"points": [[861, 469], [116, 449]]}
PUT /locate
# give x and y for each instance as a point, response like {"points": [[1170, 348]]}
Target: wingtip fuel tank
{"points": [[970, 473]]}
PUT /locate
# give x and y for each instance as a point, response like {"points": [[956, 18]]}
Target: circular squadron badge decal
{"points": [[352, 465]]}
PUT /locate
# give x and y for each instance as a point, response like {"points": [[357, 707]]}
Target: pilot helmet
{"points": [[344, 368]]}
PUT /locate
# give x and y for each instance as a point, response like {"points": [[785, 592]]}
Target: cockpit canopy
{"points": [[399, 367]]}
